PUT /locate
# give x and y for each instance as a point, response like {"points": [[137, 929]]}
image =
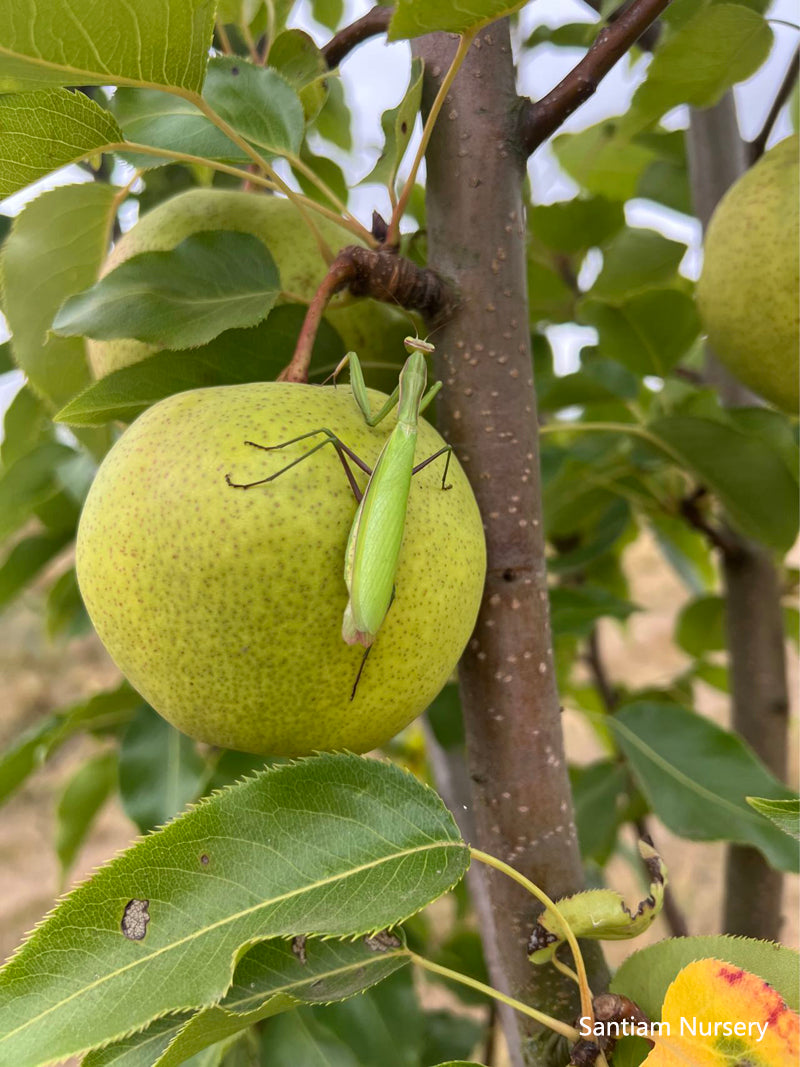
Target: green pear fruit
{"points": [[365, 326], [223, 606], [747, 293]]}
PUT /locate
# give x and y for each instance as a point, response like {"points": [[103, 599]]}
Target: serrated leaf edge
{"points": [[316, 757]]}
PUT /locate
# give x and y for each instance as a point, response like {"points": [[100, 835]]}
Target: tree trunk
{"points": [[521, 799], [754, 623]]}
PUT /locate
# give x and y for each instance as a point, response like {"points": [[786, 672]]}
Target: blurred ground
{"points": [[37, 676]]}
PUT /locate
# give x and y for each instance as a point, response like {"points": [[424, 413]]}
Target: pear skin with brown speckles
{"points": [[223, 606]]}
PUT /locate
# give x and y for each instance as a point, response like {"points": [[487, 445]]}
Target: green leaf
{"points": [[6, 362], [270, 979], [80, 802], [569, 35], [160, 770], [47, 129], [636, 259], [667, 182], [463, 952], [550, 297], [384, 1026], [102, 712], [649, 332], [25, 425], [236, 356], [333, 121], [599, 381], [610, 526], [645, 975], [333, 845], [748, 475], [163, 120], [601, 792], [210, 282], [446, 719], [398, 126], [64, 611], [686, 550], [55, 248], [26, 559], [696, 777], [29, 482], [573, 226], [733, 41], [602, 160], [412, 18], [712, 674], [448, 1034], [700, 627], [576, 610], [327, 12], [258, 103], [55, 46], [232, 766], [330, 173], [299, 60], [784, 813]]}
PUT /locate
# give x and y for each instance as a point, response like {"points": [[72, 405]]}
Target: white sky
{"points": [[375, 77]]}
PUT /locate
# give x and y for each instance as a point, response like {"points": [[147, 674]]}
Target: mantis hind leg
{"points": [[447, 450], [367, 651], [342, 451]]}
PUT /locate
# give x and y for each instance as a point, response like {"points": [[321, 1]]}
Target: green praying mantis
{"points": [[376, 535]]}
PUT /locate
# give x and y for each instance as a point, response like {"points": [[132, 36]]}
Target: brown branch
{"points": [[538, 120], [646, 41], [602, 683], [521, 798], [378, 273], [370, 25], [755, 148]]}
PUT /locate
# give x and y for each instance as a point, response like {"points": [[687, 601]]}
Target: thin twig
{"points": [[540, 119], [717, 536], [541, 1017], [755, 148], [566, 929], [647, 41], [224, 39], [378, 273], [339, 273], [605, 688], [464, 44], [487, 1055], [343, 42]]}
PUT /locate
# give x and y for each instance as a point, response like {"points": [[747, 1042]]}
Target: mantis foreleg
{"points": [[358, 385]]}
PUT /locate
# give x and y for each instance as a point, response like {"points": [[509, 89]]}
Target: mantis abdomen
{"points": [[376, 535]]}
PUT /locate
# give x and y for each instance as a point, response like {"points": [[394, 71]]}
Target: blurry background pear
{"points": [[223, 606], [748, 291], [365, 326]]}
